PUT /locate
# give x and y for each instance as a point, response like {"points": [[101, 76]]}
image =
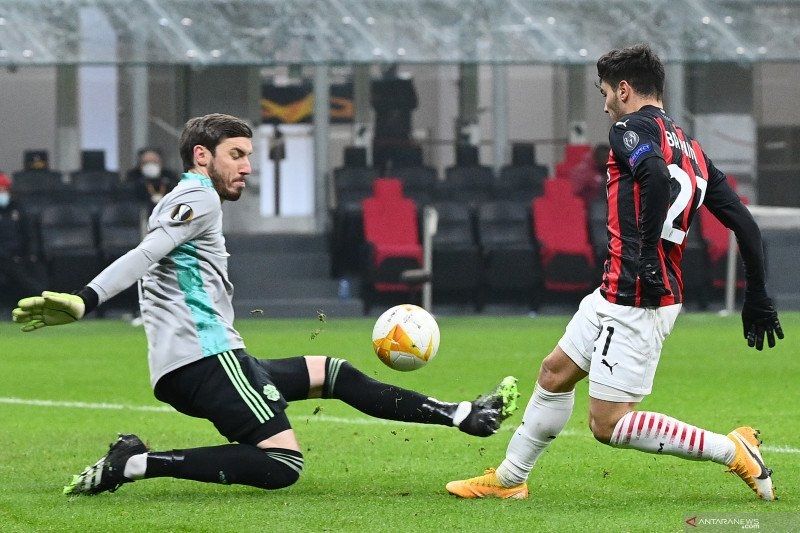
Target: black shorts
{"points": [[242, 396]]}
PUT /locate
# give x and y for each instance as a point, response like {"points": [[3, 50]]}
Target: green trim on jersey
{"points": [[211, 333], [204, 181]]}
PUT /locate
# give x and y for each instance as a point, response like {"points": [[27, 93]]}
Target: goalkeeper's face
{"points": [[229, 166]]}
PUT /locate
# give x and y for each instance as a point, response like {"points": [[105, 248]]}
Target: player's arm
{"points": [[189, 217], [635, 142], [759, 317], [55, 308]]}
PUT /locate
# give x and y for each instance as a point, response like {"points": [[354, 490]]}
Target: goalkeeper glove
{"points": [[49, 309], [759, 317]]}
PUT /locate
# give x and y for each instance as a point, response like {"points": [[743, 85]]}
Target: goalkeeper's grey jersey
{"points": [[186, 297]]}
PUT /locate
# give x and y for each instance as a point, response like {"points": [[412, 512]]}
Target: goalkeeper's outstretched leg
{"points": [[329, 377]]}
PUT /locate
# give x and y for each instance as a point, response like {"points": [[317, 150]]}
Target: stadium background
{"points": [[490, 79]]}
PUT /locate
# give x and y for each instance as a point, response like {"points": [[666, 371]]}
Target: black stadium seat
{"points": [[69, 245], [510, 268], [456, 256]]}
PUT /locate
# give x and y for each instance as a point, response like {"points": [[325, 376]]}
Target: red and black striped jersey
{"points": [[636, 137]]}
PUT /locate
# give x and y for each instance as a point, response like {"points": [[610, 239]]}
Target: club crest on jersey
{"points": [[182, 213], [630, 140]]}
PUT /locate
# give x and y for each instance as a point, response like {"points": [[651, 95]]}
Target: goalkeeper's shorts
{"points": [[233, 390]]}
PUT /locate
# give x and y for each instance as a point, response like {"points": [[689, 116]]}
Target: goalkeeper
{"points": [[197, 359]]}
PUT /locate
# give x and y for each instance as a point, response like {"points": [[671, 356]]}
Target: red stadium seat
{"points": [[560, 227], [392, 235]]}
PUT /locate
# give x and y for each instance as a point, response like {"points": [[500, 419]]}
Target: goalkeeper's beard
{"points": [[221, 184]]}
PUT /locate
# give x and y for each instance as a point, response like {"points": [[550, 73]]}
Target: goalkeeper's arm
{"points": [[52, 308]]}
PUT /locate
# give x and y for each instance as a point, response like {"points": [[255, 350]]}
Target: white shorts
{"points": [[618, 345]]}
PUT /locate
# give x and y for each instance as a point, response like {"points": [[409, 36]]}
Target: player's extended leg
{"points": [[328, 377], [545, 416], [619, 425], [232, 391]]}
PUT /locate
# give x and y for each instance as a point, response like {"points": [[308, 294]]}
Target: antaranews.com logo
{"points": [[726, 522]]}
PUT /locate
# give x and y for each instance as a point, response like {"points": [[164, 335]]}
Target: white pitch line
{"points": [[301, 418]]}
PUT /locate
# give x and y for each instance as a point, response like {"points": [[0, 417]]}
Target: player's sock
{"points": [[657, 433], [381, 400], [243, 464], [546, 415]]}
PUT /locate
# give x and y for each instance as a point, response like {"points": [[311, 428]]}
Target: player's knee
{"points": [[602, 427], [337, 371], [550, 375], [283, 470]]}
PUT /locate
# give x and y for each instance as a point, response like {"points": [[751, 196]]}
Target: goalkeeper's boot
{"points": [[748, 463], [487, 486], [490, 409], [107, 473]]}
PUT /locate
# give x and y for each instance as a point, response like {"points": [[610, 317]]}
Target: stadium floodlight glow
{"points": [[186, 21], [216, 53], [762, 50], [163, 21], [401, 51], [370, 20], [740, 50], [728, 19], [2, 21], [583, 52], [27, 53], [551, 20], [706, 20]]}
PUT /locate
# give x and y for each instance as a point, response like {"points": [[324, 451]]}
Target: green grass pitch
{"points": [[367, 476]]}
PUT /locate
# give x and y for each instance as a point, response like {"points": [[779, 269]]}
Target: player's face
{"points": [[612, 104], [229, 166]]}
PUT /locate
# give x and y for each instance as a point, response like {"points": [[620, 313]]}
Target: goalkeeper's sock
{"points": [[656, 433], [243, 464], [546, 415], [381, 400]]}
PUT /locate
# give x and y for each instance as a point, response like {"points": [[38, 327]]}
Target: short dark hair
{"points": [[209, 131], [638, 65]]}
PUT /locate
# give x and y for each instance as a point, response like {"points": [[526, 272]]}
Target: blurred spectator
{"points": [[152, 179], [589, 175], [20, 272]]}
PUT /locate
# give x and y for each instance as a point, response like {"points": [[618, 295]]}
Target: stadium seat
{"points": [[574, 154], [352, 186], [418, 182], [391, 233], [560, 228], [69, 245], [89, 181], [510, 271], [121, 231], [120, 228], [520, 183], [456, 256], [469, 184]]}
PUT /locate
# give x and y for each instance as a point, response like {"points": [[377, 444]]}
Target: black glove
{"points": [[759, 317], [650, 278]]}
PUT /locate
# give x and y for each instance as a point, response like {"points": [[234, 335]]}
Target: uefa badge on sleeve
{"points": [[182, 213]]}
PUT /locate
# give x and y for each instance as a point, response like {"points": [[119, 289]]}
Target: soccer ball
{"points": [[405, 337]]}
